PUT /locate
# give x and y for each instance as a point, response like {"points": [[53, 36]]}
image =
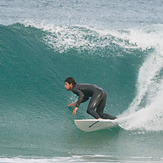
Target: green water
{"points": [[34, 118]]}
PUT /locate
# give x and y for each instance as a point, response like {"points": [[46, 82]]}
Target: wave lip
{"points": [[63, 38]]}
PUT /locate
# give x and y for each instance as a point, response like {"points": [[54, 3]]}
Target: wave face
{"points": [[36, 59]]}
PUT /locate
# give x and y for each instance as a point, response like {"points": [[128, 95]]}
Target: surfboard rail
{"points": [[89, 125]]}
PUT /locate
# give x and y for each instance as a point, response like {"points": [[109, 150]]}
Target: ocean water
{"points": [[117, 45]]}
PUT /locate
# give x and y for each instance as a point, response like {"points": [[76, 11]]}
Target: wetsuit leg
{"points": [[94, 102], [101, 106]]}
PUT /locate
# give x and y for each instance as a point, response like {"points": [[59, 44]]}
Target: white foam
{"points": [[36, 160], [146, 111], [149, 118], [62, 38], [80, 158]]}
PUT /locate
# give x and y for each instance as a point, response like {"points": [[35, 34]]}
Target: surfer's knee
{"points": [[89, 111], [93, 113]]}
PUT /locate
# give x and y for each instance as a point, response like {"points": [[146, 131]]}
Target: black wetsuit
{"points": [[98, 100]]}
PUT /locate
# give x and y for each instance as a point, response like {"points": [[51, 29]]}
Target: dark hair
{"points": [[70, 80]]}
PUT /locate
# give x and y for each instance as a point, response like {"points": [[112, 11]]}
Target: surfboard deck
{"points": [[89, 125]]}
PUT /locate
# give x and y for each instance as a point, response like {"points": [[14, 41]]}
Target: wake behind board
{"points": [[89, 125]]}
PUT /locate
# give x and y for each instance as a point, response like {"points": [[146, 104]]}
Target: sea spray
{"points": [[146, 112]]}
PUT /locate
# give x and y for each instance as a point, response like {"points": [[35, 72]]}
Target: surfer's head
{"points": [[69, 83]]}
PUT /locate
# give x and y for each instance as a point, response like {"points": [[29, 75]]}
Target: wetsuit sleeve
{"points": [[85, 99], [80, 99]]}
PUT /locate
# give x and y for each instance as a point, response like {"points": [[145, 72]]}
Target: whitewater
{"points": [[145, 111]]}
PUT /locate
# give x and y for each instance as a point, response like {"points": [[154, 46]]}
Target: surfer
{"points": [[84, 91]]}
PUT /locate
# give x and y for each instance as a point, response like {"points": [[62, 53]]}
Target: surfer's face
{"points": [[68, 86]]}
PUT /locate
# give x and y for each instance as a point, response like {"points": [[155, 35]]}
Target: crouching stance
{"points": [[85, 91]]}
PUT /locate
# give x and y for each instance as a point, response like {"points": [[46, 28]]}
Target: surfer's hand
{"points": [[72, 105], [74, 111]]}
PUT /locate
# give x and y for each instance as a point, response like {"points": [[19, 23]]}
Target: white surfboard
{"points": [[89, 125]]}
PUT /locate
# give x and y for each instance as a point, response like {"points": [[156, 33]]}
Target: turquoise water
{"points": [[42, 43]]}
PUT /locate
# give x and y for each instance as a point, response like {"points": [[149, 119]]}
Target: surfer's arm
{"points": [[80, 99], [85, 99], [74, 111], [74, 103]]}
